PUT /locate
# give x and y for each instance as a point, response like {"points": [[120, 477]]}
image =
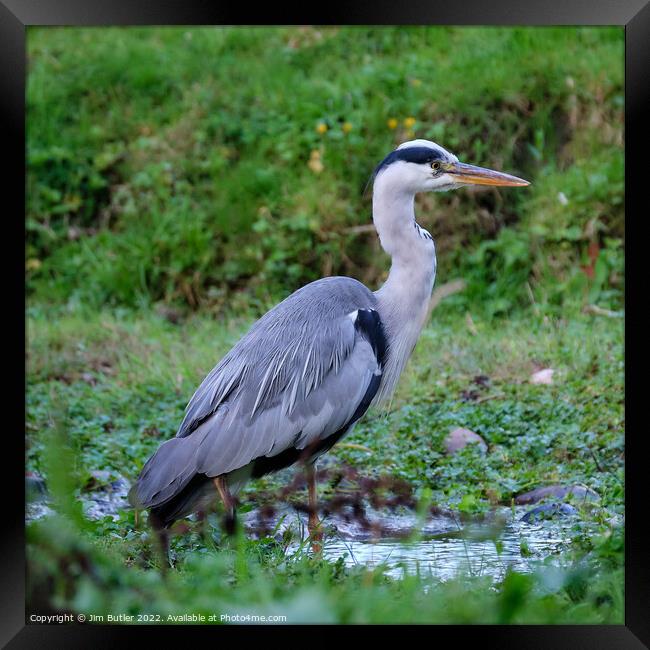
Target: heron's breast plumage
{"points": [[403, 306]]}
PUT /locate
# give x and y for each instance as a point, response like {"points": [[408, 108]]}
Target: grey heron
{"points": [[307, 370]]}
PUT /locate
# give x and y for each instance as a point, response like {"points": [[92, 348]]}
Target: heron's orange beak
{"points": [[472, 175]]}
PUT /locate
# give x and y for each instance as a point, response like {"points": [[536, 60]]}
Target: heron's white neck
{"points": [[403, 300]]}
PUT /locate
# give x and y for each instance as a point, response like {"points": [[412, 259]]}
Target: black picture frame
{"points": [[633, 15]]}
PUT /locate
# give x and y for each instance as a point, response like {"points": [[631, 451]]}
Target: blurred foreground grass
{"points": [[259, 578]]}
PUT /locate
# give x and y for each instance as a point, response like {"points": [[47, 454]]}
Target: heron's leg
{"points": [[229, 503], [163, 538], [313, 524], [163, 541]]}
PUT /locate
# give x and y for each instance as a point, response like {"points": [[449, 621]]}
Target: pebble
{"points": [[460, 437], [549, 511], [544, 376], [580, 492]]}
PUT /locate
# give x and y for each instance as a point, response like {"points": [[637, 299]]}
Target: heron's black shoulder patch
{"points": [[369, 325]]}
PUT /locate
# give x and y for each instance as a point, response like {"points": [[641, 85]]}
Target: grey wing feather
{"points": [[232, 442], [298, 375], [286, 353]]}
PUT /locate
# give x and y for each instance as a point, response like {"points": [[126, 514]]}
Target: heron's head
{"points": [[424, 166]]}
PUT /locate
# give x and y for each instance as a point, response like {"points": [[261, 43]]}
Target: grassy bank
{"points": [[185, 166]]}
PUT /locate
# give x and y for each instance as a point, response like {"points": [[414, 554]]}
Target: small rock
{"points": [[544, 376], [459, 438], [549, 511], [558, 492]]}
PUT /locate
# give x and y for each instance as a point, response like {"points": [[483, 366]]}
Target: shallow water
{"points": [[443, 546], [448, 556]]}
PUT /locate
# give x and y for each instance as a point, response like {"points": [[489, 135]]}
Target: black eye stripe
{"points": [[418, 155]]}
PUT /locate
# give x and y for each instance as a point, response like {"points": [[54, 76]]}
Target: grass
{"points": [[109, 388], [124, 383], [173, 166], [259, 579]]}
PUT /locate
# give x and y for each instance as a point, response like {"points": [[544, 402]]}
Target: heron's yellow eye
{"points": [[435, 166]]}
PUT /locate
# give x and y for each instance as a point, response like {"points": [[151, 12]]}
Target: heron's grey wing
{"points": [[234, 440], [291, 347], [302, 372]]}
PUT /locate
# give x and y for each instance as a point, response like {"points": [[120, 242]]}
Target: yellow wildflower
{"points": [[392, 123], [346, 127], [321, 128], [409, 122]]}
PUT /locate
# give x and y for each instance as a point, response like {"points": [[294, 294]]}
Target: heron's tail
{"points": [[170, 485]]}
